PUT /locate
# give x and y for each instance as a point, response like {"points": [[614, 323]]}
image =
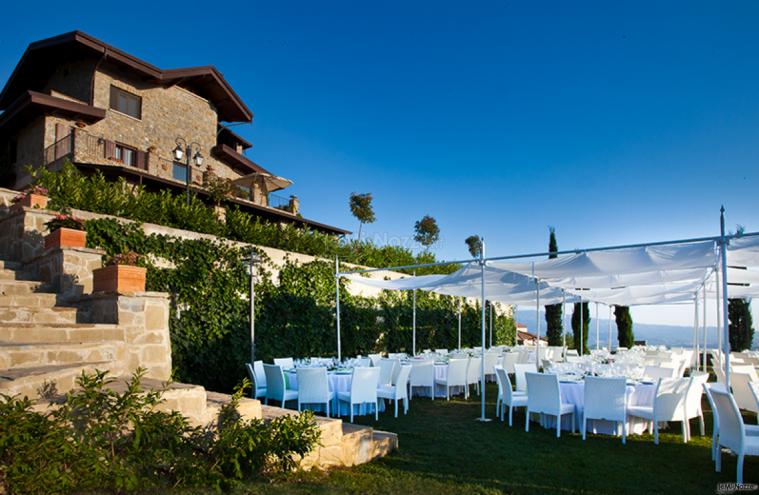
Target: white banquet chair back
{"points": [[363, 362], [507, 396], [544, 396], [456, 376], [375, 359], [605, 398], [746, 369], [397, 391], [708, 387], [669, 405], [491, 358], [657, 372], [442, 352], [258, 377], [285, 363], [473, 374], [396, 355], [732, 431], [744, 396], [313, 387], [693, 401], [276, 387], [387, 371], [423, 375], [509, 360], [519, 371], [364, 382]]}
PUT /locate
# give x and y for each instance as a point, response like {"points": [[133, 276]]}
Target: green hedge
{"points": [[295, 317], [69, 188]]}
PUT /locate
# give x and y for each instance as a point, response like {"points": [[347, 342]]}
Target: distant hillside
{"points": [[669, 335]]}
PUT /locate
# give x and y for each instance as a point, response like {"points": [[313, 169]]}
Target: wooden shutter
{"points": [[109, 149], [141, 160]]}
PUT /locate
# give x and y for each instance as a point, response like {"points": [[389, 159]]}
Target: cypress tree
{"points": [[576, 326], [740, 325], [554, 326], [624, 326]]}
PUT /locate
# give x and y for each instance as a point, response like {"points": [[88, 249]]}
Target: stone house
{"points": [[73, 97]]}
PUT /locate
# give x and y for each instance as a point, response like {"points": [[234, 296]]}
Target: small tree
{"points": [[576, 326], [474, 245], [624, 326], [554, 326], [426, 231], [361, 207], [740, 327]]}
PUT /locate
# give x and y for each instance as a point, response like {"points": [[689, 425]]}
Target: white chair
{"points": [[396, 355], [509, 360], [746, 369], [544, 396], [456, 376], [442, 352], [491, 358], [388, 372], [397, 391], [506, 395], [423, 375], [708, 387], [473, 375], [732, 431], [276, 387], [285, 363], [605, 398], [573, 359], [363, 390], [363, 362], [375, 359], [258, 377], [313, 387], [693, 401], [519, 370], [744, 396], [669, 405], [657, 372], [572, 352]]}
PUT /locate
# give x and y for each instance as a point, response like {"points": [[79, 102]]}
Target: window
{"points": [[180, 172], [125, 154], [126, 103]]}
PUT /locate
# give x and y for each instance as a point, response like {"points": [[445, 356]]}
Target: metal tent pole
{"points": [[695, 331], [537, 319], [582, 328], [563, 320], [609, 328], [337, 306], [703, 363], [460, 298], [719, 321], [598, 329], [413, 323], [725, 322], [482, 322], [491, 323]]}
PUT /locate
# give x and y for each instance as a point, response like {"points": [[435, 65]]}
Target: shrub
{"points": [[99, 439], [64, 221]]}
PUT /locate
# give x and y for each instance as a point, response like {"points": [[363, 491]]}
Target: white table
{"points": [[338, 382], [641, 394]]}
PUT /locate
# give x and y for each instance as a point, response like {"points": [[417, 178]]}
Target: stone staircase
{"points": [[48, 336]]}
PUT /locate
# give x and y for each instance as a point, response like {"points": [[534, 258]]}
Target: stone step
{"points": [[10, 265], [27, 381], [17, 287], [60, 332], [6, 274], [37, 300], [32, 355], [189, 400], [24, 314], [248, 408]]}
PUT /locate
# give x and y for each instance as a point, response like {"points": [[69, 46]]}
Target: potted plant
{"points": [[31, 197], [120, 274], [66, 231]]}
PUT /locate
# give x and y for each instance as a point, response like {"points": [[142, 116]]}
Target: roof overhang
{"points": [[228, 155], [42, 55], [31, 104]]}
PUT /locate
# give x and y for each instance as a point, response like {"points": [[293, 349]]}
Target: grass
{"points": [[443, 450]]}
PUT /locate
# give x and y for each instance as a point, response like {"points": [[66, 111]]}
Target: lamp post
{"points": [[252, 261], [185, 150]]}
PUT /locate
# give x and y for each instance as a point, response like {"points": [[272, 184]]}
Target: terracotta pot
{"points": [[119, 278], [32, 201], [66, 238]]}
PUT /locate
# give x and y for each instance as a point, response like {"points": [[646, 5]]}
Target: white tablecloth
{"points": [[574, 393], [338, 382]]}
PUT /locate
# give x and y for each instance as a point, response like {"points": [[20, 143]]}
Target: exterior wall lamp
{"points": [[185, 150]]}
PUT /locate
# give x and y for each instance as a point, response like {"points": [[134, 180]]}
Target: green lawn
{"points": [[444, 450]]}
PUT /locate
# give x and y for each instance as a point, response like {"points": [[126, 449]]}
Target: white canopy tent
{"points": [[673, 272]]}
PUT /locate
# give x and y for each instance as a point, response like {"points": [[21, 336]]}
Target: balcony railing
{"points": [[279, 202], [62, 148]]}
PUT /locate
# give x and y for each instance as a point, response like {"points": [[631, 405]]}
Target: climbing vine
{"points": [[295, 314]]}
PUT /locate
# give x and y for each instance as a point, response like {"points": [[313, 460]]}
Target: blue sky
{"points": [[615, 122]]}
